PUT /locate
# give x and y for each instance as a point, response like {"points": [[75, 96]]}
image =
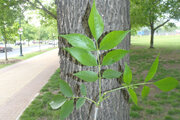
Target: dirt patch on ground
{"points": [[173, 55], [172, 66], [144, 73], [10, 61]]}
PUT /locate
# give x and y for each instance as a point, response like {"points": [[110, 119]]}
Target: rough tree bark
{"points": [[72, 17]]}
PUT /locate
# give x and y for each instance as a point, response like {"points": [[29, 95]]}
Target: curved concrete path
{"points": [[21, 82]]}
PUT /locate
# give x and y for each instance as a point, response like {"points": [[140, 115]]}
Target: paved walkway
{"points": [[21, 82]]}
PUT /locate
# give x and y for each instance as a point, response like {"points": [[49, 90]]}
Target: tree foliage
{"points": [[10, 12], [29, 32], [147, 12], [47, 8], [8, 16], [153, 13]]}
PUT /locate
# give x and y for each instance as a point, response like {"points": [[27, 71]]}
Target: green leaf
{"points": [[95, 22], [83, 56], [152, 70], [83, 90], [114, 56], [80, 102], [133, 95], [112, 39], [66, 109], [80, 41], [166, 84], [65, 89], [111, 74], [87, 76], [127, 76], [145, 91], [57, 102]]}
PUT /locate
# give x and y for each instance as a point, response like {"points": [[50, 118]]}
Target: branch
{"points": [[161, 24], [42, 8]]}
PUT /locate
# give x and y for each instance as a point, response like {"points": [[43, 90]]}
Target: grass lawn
{"points": [[170, 41], [26, 56], [39, 108], [158, 106], [4, 65]]}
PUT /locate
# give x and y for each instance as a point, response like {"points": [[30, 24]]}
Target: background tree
{"points": [[42, 33], [29, 32], [153, 14], [48, 14], [47, 8], [8, 15]]}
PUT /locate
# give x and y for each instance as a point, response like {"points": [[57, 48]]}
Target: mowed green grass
{"points": [[158, 106], [39, 108], [169, 41], [4, 65]]}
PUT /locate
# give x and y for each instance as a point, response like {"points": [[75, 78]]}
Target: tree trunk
{"points": [[28, 42], [152, 37], [73, 18], [5, 46]]}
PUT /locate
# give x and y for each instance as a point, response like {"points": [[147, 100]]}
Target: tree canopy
{"points": [[157, 12], [8, 16], [153, 13]]}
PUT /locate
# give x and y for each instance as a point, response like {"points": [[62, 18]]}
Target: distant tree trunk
{"points": [[39, 46], [5, 45], [28, 42], [5, 41], [72, 17], [153, 29], [152, 37]]}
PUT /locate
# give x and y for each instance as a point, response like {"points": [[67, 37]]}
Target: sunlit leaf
{"points": [[80, 102], [114, 56], [65, 89], [80, 41], [145, 91], [127, 76], [66, 109], [57, 102], [133, 95], [166, 84], [112, 39], [95, 22], [111, 74], [152, 70], [87, 76], [83, 56]]}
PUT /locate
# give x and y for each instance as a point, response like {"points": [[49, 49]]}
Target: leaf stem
{"points": [[99, 70], [127, 86], [86, 99], [96, 113]]}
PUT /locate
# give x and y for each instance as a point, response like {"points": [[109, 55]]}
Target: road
{"points": [[16, 51], [20, 83]]}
